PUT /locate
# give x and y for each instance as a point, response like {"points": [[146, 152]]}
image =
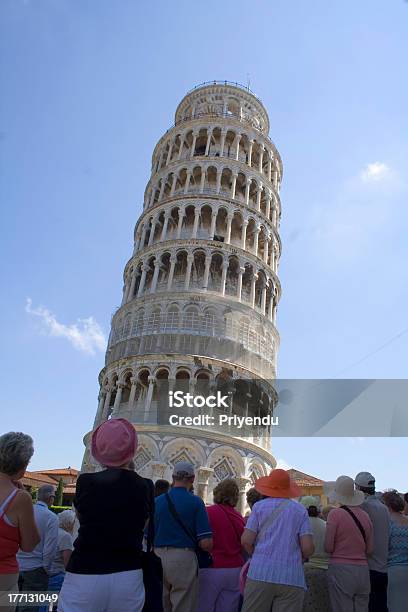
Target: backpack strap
{"points": [[357, 522]]}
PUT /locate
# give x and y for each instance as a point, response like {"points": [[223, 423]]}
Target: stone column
{"points": [[202, 182], [256, 239], [149, 396], [251, 144], [244, 233], [239, 284], [164, 228], [152, 230], [213, 223], [224, 276], [145, 269], [273, 256], [132, 287], [238, 139], [190, 259], [234, 185], [125, 291], [169, 153], [270, 306], [207, 146], [155, 275], [208, 259], [173, 260], [203, 477], [107, 402], [195, 134], [247, 188], [197, 213], [263, 299], [261, 154], [228, 233], [218, 183], [181, 146], [133, 382], [187, 185], [253, 284], [118, 398], [274, 313], [269, 168], [242, 484], [275, 179], [162, 186], [99, 413], [136, 243], [274, 215], [151, 202], [223, 135], [266, 248], [258, 197], [143, 238], [180, 222], [173, 185], [268, 203]]}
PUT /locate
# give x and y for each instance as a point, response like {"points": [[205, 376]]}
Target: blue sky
{"points": [[88, 87]]}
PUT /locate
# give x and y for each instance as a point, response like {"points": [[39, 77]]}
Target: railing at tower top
{"points": [[219, 82]]}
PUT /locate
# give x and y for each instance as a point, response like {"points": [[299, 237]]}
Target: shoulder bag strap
{"points": [[176, 517], [357, 522]]}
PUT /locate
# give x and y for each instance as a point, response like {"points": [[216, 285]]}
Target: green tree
{"points": [[59, 493], [33, 492]]}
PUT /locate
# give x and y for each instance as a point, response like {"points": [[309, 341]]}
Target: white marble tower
{"points": [[201, 287]]}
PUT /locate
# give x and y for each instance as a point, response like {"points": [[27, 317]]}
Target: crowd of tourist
{"points": [[157, 547]]}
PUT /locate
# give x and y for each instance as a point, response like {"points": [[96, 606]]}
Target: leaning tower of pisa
{"points": [[201, 288]]}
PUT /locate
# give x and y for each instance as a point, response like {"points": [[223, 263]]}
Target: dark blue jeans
{"points": [[33, 580]]}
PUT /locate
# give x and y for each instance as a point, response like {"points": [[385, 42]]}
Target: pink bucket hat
{"points": [[114, 442]]}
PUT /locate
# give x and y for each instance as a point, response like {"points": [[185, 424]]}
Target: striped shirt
{"points": [[277, 557]]}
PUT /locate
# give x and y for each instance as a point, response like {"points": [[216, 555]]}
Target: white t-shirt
{"points": [[65, 542]]}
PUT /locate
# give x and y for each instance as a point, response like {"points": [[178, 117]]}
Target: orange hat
{"points": [[277, 484]]}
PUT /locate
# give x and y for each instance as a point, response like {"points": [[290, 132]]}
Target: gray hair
{"points": [[16, 450], [45, 492], [66, 519]]}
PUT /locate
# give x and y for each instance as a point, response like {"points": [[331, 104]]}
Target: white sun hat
{"points": [[343, 492]]}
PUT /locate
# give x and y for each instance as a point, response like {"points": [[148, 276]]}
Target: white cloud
{"points": [[377, 171], [85, 335], [361, 211]]}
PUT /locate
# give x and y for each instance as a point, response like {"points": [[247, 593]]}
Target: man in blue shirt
{"points": [[173, 544]]}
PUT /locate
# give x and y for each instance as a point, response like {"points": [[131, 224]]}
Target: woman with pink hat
{"points": [[104, 573], [348, 540], [279, 537]]}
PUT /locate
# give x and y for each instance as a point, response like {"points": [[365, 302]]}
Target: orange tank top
{"points": [[9, 539]]}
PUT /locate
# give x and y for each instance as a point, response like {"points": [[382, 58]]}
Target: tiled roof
{"points": [[69, 471], [36, 479], [305, 480]]}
